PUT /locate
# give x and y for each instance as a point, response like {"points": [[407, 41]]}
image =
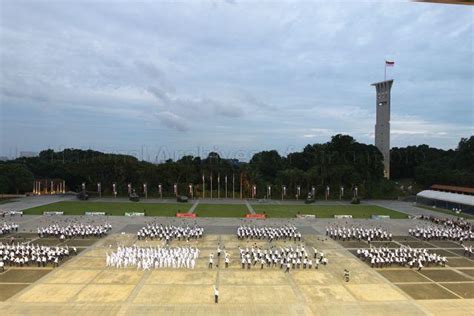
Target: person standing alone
{"points": [[216, 295]]}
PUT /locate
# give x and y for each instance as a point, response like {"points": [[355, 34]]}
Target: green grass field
{"points": [[326, 211], [445, 211], [221, 210], [213, 210], [112, 208]]}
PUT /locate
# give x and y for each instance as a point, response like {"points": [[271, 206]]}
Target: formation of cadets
{"points": [[27, 254], [4, 213], [170, 232], [439, 232], [461, 223], [404, 256], [74, 231], [358, 233], [146, 258], [281, 257], [288, 232], [7, 228], [468, 251]]}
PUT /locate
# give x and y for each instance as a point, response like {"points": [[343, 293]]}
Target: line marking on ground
{"points": [[193, 207], [249, 207]]}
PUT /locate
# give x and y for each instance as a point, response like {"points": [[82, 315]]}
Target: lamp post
{"points": [[298, 192], [283, 192], [160, 190], [114, 189], [269, 191], [233, 186], [145, 190], [203, 186], [241, 185], [225, 181], [211, 185], [99, 190], [218, 186]]}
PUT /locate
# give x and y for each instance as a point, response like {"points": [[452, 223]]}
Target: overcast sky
{"points": [[156, 78]]}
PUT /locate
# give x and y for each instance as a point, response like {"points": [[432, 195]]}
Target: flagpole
{"points": [[241, 185], [385, 71]]}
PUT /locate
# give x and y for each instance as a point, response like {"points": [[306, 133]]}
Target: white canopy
{"points": [[447, 196]]}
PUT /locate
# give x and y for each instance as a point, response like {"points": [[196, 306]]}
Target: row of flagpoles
{"points": [[191, 187]]}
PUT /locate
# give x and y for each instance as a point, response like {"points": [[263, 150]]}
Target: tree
{"points": [[15, 178]]}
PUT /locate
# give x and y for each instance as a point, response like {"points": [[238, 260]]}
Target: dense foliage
{"points": [[340, 162], [428, 165]]}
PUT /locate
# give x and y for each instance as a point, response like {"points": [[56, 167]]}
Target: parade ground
{"points": [[83, 283]]}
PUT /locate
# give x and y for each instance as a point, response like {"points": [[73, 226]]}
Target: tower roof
{"points": [[381, 82]]}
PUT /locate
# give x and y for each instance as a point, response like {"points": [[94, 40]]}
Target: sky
{"points": [[162, 79]]}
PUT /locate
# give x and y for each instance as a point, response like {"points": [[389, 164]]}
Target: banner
{"points": [[256, 216], [342, 216], [15, 212], [53, 213], [94, 213], [134, 214], [380, 216], [306, 216], [186, 215]]}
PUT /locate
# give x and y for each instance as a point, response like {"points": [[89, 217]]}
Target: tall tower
{"points": [[382, 125]]}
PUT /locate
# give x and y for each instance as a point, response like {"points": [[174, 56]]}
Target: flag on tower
{"points": [[389, 63]]}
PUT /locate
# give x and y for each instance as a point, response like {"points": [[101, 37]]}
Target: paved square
{"points": [[440, 275], [72, 276], [85, 285], [100, 293], [179, 277], [465, 290], [118, 277], [171, 294], [8, 290], [426, 291], [403, 276], [331, 293], [460, 262], [23, 275], [371, 292], [50, 293]]}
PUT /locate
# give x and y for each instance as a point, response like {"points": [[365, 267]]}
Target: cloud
{"points": [[173, 121], [196, 107], [264, 75], [159, 93]]}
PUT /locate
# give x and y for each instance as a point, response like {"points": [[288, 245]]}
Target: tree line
{"points": [[427, 165], [341, 162]]}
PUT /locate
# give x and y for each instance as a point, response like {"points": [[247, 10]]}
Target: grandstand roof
{"points": [[447, 196], [453, 189]]}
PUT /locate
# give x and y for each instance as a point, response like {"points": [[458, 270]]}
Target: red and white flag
{"points": [[389, 63]]}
